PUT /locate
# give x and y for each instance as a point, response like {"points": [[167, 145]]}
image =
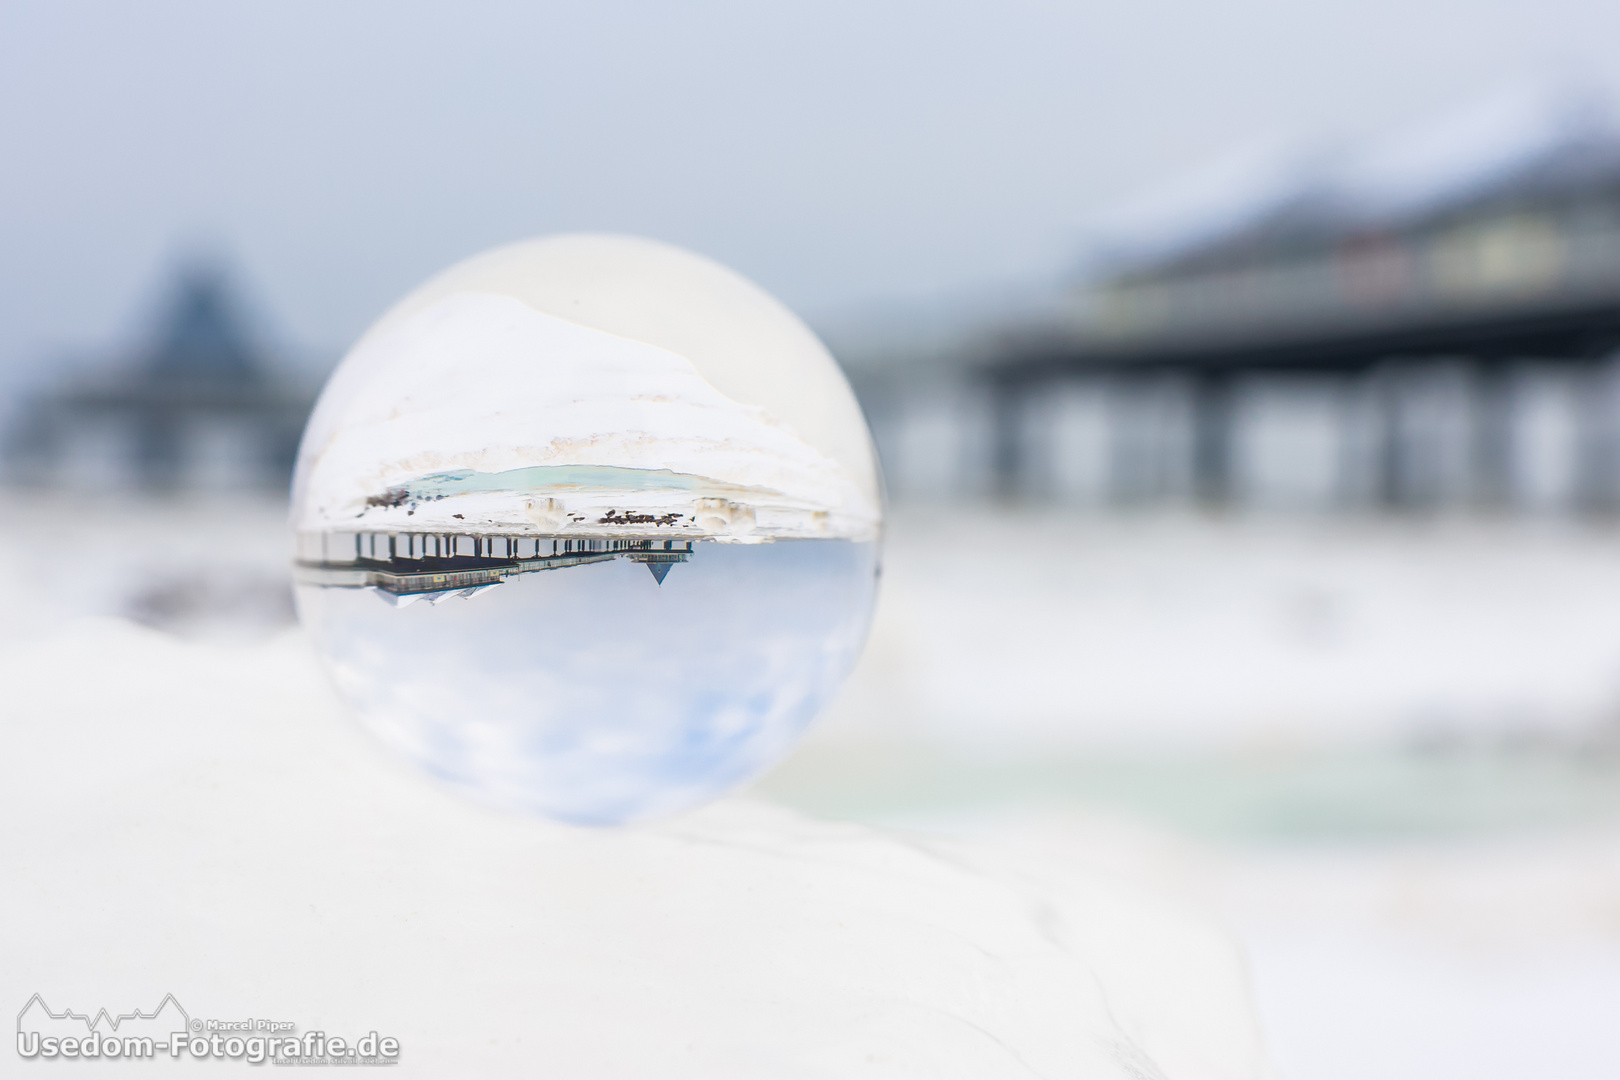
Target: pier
{"points": [[418, 564]]}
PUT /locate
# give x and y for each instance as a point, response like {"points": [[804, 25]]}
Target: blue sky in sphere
{"points": [[598, 692], [842, 154]]}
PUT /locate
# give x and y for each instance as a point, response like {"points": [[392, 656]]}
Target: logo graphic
{"points": [[169, 1030], [136, 1034]]}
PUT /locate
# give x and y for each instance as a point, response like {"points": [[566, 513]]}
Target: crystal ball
{"points": [[587, 527]]}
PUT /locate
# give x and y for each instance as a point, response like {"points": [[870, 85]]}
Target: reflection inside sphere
{"points": [[587, 527], [594, 681]]}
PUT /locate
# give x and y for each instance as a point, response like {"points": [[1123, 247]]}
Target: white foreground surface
{"points": [[1483, 958], [1485, 948], [201, 821]]}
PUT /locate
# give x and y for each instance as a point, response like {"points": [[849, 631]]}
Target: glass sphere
{"points": [[588, 527]]}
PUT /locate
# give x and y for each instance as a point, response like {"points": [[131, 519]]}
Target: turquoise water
{"points": [[546, 479], [1316, 795]]}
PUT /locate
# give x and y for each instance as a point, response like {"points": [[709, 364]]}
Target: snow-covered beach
{"points": [[1383, 751]]}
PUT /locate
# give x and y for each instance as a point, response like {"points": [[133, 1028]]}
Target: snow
{"points": [[1393, 740], [430, 398], [1382, 749], [1486, 144], [204, 821], [1482, 146], [1490, 957], [1051, 631], [1210, 203], [627, 354]]}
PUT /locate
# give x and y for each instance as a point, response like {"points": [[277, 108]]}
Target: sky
{"points": [[845, 155]]}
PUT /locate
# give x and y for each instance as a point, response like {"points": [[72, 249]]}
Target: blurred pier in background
{"points": [[200, 404], [1431, 322]]}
